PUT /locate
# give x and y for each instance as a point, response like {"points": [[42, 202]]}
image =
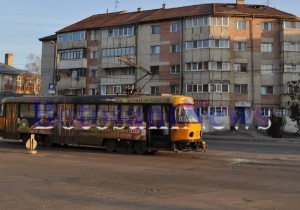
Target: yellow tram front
{"points": [[186, 129]]}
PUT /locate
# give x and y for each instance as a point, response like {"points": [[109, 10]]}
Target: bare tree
{"points": [[294, 102], [33, 64]]}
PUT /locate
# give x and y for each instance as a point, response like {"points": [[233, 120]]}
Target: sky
{"points": [[23, 22]]}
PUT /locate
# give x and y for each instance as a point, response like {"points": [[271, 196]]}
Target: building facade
{"points": [[15, 81], [234, 59]]}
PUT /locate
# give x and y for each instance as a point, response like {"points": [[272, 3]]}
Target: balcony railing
{"points": [[71, 83]]}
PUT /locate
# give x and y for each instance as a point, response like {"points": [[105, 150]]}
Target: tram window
{"points": [[2, 110], [159, 116], [86, 113], [47, 109], [113, 113], [27, 110]]}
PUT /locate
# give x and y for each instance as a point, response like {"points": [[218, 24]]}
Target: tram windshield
{"points": [[186, 113]]}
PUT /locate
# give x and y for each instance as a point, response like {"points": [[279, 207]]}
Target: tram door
{"points": [[159, 126], [11, 120], [66, 123]]}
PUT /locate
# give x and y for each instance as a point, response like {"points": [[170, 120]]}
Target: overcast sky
{"points": [[23, 22]]}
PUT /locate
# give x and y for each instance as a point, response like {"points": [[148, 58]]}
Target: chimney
{"points": [[139, 9], [240, 2], [9, 59], [164, 6]]}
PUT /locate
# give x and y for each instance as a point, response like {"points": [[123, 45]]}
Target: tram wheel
{"points": [[139, 147], [47, 142], [110, 145]]}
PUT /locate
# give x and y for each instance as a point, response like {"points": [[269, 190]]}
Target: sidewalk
{"points": [[249, 136]]}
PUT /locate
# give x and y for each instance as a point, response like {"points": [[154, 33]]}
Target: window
{"points": [[207, 43], [240, 25], [264, 90], [197, 66], [71, 36], [117, 89], [72, 54], [93, 72], [240, 67], [175, 48], [154, 90], [155, 29], [118, 32], [174, 89], [175, 27], [93, 54], [218, 66], [267, 69], [291, 46], [266, 47], [240, 89], [111, 52], [155, 49], [175, 69], [265, 26], [218, 111], [239, 46], [191, 88], [291, 25], [266, 111], [291, 68], [93, 35], [205, 21], [154, 70]]}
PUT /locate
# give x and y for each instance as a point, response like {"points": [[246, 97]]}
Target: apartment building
{"points": [[233, 59]]}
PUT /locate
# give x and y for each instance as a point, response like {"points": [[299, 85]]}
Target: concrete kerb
{"points": [[249, 136]]}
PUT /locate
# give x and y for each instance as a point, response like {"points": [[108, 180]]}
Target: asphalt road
{"points": [[230, 175]]}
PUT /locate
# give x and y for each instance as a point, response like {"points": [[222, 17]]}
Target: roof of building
{"points": [[124, 18], [5, 69]]}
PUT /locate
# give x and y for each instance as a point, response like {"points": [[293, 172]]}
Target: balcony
{"points": [[117, 80], [71, 83], [72, 64]]}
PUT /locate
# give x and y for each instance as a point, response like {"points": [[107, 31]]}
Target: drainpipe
{"points": [[252, 60]]}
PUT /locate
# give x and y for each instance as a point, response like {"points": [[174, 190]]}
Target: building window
{"points": [[240, 89], [218, 66], [207, 43], [196, 66], [240, 67], [218, 111], [155, 49], [266, 90], [291, 68], [175, 69], [174, 89], [175, 27], [266, 111], [266, 47], [93, 54], [93, 91], [205, 21], [154, 90], [71, 36], [118, 32], [154, 70], [191, 88], [72, 54], [93, 35], [155, 29], [266, 26], [111, 52], [175, 48], [93, 72], [109, 72], [240, 25], [291, 46], [267, 69], [239, 46], [291, 25]]}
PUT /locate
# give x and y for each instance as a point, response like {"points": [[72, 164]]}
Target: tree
{"points": [[33, 64], [294, 102]]}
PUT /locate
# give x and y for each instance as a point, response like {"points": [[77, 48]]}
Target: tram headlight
{"points": [[191, 134]]}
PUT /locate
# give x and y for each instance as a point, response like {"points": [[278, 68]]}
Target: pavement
{"points": [[251, 135]]}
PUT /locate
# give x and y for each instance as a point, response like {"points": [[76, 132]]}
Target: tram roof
{"points": [[135, 99]]}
